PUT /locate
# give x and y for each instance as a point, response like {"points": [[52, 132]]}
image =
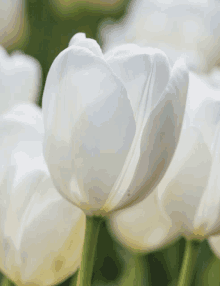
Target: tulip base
{"points": [[89, 249], [189, 262]]}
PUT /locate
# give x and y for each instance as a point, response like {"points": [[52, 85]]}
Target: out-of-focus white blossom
{"points": [[20, 79], [13, 22], [186, 201], [187, 28], [112, 122], [41, 234]]}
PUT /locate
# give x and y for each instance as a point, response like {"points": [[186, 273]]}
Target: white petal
{"points": [[33, 213], [21, 136], [182, 187], [3, 54], [27, 114], [31, 229], [214, 242], [203, 107], [206, 119], [80, 40], [155, 141], [198, 92], [20, 78], [143, 227], [89, 126], [144, 72], [207, 220]]}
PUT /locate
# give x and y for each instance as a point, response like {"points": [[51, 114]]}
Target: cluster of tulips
{"points": [[121, 135]]}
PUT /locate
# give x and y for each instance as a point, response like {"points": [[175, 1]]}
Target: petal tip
{"points": [[77, 38]]}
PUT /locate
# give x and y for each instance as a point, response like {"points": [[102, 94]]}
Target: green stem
{"points": [[6, 282], [135, 272], [89, 249], [189, 262]]}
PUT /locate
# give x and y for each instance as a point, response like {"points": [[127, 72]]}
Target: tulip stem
{"points": [[135, 271], [89, 250], [189, 262], [6, 282]]}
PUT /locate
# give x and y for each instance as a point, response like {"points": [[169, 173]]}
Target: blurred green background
{"points": [[49, 31]]}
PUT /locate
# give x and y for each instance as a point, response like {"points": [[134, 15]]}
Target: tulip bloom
{"points": [[20, 79], [13, 22], [176, 28], [186, 201], [112, 122], [41, 234]]}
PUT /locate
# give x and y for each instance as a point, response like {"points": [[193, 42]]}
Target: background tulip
{"points": [[20, 79], [185, 27], [112, 122], [186, 200], [41, 234], [13, 23]]}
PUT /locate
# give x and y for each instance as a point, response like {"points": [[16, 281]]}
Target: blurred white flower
{"points": [[186, 201], [112, 122], [190, 28], [20, 79], [13, 22], [41, 234]]}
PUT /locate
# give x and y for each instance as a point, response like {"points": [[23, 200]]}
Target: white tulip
{"points": [[41, 234], [13, 22], [112, 122], [183, 27], [186, 201], [20, 79]]}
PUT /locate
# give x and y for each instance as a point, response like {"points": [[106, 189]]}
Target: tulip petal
{"points": [[154, 144], [143, 227], [32, 211], [181, 188], [206, 119], [144, 72], [199, 91], [46, 216], [214, 242], [207, 219], [21, 135], [89, 127], [20, 77], [80, 40], [203, 108]]}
